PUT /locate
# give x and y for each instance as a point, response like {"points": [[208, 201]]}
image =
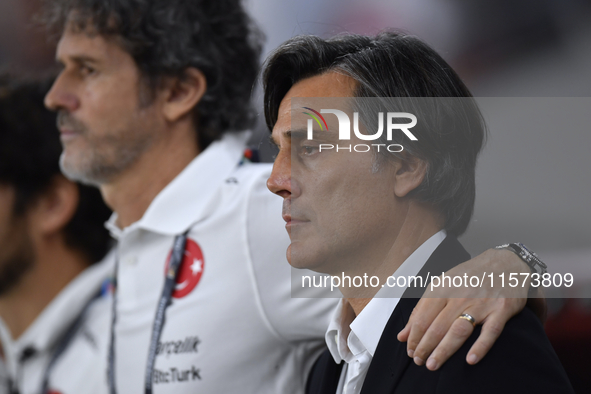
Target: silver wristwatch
{"points": [[530, 258]]}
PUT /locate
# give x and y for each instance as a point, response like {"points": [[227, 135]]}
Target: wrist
{"points": [[528, 256], [532, 261], [505, 260]]}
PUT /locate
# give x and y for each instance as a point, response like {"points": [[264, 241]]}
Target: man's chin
{"points": [[74, 171], [300, 258], [288, 254]]}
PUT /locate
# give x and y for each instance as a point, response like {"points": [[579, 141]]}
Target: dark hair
{"points": [[165, 37], [29, 161], [396, 65]]}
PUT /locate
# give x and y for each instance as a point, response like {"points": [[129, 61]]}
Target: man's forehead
{"points": [[77, 42], [330, 84]]}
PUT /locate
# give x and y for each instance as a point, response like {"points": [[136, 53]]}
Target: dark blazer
{"points": [[521, 361]]}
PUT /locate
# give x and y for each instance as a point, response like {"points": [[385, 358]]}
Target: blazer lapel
{"points": [[391, 360], [325, 375]]}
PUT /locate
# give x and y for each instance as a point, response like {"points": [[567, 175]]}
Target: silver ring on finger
{"points": [[468, 318]]}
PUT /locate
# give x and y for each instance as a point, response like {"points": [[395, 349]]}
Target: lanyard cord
{"points": [[178, 251], [60, 348], [111, 357], [26, 354], [65, 341]]}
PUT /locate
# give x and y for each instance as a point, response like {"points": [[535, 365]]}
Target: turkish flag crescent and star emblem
{"points": [[190, 270]]}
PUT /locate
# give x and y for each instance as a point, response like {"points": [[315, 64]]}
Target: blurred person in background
{"points": [[53, 310], [153, 99]]}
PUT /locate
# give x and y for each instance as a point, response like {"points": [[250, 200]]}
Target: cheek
{"points": [[356, 202], [12, 232], [4, 225], [114, 119], [109, 98], [343, 187], [6, 203]]}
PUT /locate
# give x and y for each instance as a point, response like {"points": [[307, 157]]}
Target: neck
{"points": [[132, 192], [420, 223], [55, 266]]}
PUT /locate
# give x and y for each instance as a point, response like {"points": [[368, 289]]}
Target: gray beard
{"points": [[97, 170], [92, 177]]}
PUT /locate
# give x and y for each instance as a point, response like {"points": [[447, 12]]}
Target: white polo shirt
{"points": [[355, 339], [233, 326], [80, 369]]}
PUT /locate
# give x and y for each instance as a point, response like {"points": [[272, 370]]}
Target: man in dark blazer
{"points": [[359, 213], [521, 361]]}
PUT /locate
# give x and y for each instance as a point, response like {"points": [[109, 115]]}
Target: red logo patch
{"points": [[190, 270]]}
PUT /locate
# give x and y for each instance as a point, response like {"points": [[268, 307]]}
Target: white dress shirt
{"points": [[355, 339]]}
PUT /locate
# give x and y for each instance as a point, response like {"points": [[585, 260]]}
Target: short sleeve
{"points": [[294, 318]]}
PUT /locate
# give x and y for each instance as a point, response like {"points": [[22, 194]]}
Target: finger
{"points": [[459, 331], [491, 329], [437, 332], [426, 312], [403, 335]]}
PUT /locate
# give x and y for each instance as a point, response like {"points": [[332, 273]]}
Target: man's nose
{"points": [[60, 97], [280, 180]]}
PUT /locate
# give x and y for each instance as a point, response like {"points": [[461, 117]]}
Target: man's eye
{"points": [[307, 150], [85, 70]]}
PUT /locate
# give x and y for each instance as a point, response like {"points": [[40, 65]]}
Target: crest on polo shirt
{"points": [[190, 270]]}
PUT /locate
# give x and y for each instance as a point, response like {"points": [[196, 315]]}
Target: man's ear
{"points": [[183, 94], [410, 172], [54, 209]]}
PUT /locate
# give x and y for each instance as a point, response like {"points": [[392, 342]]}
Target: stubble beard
{"points": [[106, 156]]}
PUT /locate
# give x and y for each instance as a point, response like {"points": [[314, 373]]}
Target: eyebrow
{"points": [[79, 59], [287, 134], [298, 134]]}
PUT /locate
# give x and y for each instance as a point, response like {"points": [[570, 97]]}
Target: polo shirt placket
{"points": [[233, 326]]}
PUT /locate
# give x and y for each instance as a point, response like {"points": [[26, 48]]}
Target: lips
{"points": [[291, 220], [69, 126], [292, 217], [286, 210], [67, 134], [66, 130]]}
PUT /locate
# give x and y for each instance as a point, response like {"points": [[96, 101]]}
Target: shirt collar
{"points": [[186, 199], [338, 331], [60, 313], [367, 328]]}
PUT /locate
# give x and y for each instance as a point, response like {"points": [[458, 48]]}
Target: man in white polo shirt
{"points": [[128, 118], [54, 306], [151, 102]]}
